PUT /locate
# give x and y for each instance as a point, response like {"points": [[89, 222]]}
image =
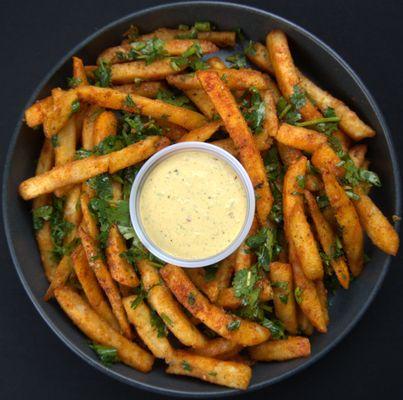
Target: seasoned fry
{"points": [[322, 295], [347, 219], [259, 56], [237, 128], [300, 138], [106, 124], [145, 89], [98, 330], [325, 159], [227, 145], [243, 256], [66, 143], [264, 139], [201, 100], [35, 115], [79, 72], [226, 373], [121, 270], [357, 154], [284, 302], [60, 276], [303, 323], [171, 131], [327, 239], [281, 350], [218, 347], [216, 63], [247, 334], [89, 223], [116, 100], [201, 134], [140, 317], [376, 225], [234, 79], [105, 281], [227, 299]]}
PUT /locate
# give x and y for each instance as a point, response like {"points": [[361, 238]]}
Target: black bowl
{"points": [[317, 60]]}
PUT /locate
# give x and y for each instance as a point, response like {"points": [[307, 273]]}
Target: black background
{"points": [[35, 364]]}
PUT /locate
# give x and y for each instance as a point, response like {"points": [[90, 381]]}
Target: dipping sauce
{"points": [[192, 205]]}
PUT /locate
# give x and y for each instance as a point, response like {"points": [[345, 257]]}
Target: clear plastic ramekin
{"points": [[166, 153]]}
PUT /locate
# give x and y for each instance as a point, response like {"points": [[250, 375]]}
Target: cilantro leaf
{"points": [[40, 215], [237, 61], [158, 324], [253, 109], [107, 355], [103, 74]]}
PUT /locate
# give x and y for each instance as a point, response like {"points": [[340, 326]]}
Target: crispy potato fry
{"points": [[87, 133], [264, 139], [305, 244], [79, 72], [284, 302], [127, 72], [227, 145], [89, 223], [60, 111], [259, 56], [145, 89], [281, 350], [237, 128], [218, 347], [303, 323], [243, 256], [300, 138], [201, 100], [376, 225], [327, 239], [247, 333], [227, 373], [91, 288], [234, 79], [67, 174], [149, 274], [140, 317], [105, 281], [350, 123], [136, 153], [121, 270], [116, 100], [98, 330], [325, 159], [60, 276], [322, 295], [347, 218], [172, 47], [35, 115], [66, 143], [227, 298], [106, 124], [216, 63], [287, 154], [201, 134], [357, 154]]}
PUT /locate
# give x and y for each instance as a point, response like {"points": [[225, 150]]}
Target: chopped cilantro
{"points": [[141, 295], [301, 181], [177, 99], [74, 82], [234, 325], [75, 106], [55, 141], [275, 326], [103, 74], [253, 109], [250, 48], [298, 294], [186, 366], [148, 51], [107, 355], [237, 61], [191, 299], [283, 298], [40, 215], [158, 324], [280, 285], [129, 101]]}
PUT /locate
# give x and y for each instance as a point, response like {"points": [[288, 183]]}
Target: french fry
{"points": [[303, 323], [227, 373], [74, 172], [347, 219], [357, 154], [300, 138], [145, 89], [284, 302], [322, 295], [219, 348], [162, 301], [173, 47], [60, 276], [325, 159], [98, 330], [87, 133], [259, 56], [239, 132], [105, 281], [376, 225], [35, 114], [327, 239], [234, 79], [120, 269], [227, 145], [58, 115], [91, 288], [247, 333], [264, 139], [116, 100], [281, 350], [243, 256], [227, 298], [216, 63], [140, 317], [201, 134], [106, 124], [136, 153], [350, 123], [288, 154], [89, 223], [79, 72], [201, 100]]}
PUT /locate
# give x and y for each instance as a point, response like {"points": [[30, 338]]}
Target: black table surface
{"points": [[34, 363]]}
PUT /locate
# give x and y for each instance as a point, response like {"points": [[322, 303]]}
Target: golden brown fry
{"points": [[227, 145], [281, 350], [87, 133], [136, 152], [303, 323], [237, 128], [89, 223], [300, 138], [233, 78], [145, 89], [264, 139], [116, 100], [216, 63], [121, 270], [227, 298], [79, 72], [172, 47], [287, 154], [325, 159], [349, 121], [218, 347], [201, 134], [140, 316], [357, 154], [98, 330], [171, 131], [106, 124], [91, 288], [327, 239], [247, 333], [66, 143], [259, 56], [243, 256], [60, 276], [227, 373], [347, 219], [105, 280], [284, 302], [201, 100], [322, 295], [376, 225], [35, 114]]}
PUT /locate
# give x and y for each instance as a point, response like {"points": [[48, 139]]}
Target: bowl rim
{"points": [[59, 333]]}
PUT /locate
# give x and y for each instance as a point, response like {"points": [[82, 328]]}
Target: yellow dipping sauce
{"points": [[192, 205]]}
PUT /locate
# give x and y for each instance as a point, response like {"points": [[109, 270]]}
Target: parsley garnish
{"points": [[275, 326], [107, 355], [40, 215], [148, 51], [191, 54], [280, 285], [186, 366], [141, 295], [75, 106], [55, 141], [253, 109], [298, 294], [177, 99], [250, 48], [237, 61], [74, 82], [103, 74], [166, 319], [158, 324], [191, 299], [129, 101], [234, 325]]}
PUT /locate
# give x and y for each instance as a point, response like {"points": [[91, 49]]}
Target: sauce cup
{"points": [[163, 155]]}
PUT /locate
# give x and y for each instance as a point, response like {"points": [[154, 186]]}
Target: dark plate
{"points": [[312, 56]]}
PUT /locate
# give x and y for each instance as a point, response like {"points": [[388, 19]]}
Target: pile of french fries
{"points": [[132, 308]]}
